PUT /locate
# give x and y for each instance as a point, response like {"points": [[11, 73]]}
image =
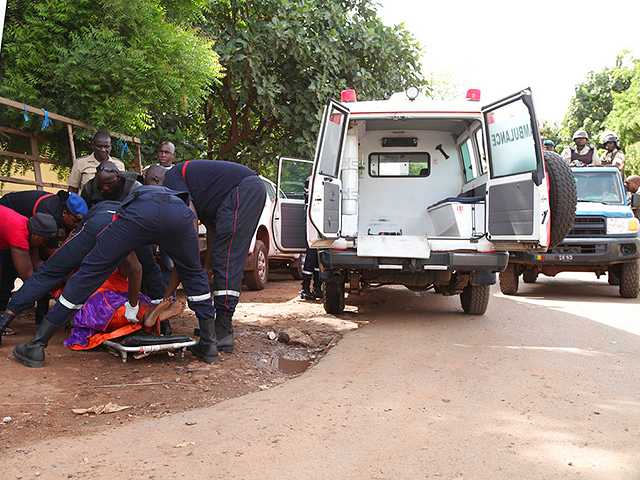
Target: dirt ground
{"points": [[37, 403]]}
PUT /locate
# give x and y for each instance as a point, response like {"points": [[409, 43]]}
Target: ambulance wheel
{"points": [[475, 299], [563, 197], [530, 275], [509, 280], [256, 278], [629, 280], [334, 296], [296, 267]]}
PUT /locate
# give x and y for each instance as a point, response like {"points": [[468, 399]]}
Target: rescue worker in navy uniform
{"points": [[69, 257], [228, 198], [311, 267], [581, 154], [66, 208], [151, 215]]}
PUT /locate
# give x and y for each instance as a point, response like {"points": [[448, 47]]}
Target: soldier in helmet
{"points": [[613, 155], [581, 154]]}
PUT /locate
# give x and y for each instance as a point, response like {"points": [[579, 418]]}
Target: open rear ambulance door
{"points": [[326, 189], [288, 220], [517, 193]]}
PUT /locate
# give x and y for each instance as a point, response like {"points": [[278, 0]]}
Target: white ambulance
{"points": [[426, 194]]}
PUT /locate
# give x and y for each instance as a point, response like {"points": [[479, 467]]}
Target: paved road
{"points": [[545, 385]]}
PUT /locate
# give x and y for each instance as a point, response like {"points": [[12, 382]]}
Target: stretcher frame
{"points": [[147, 349]]}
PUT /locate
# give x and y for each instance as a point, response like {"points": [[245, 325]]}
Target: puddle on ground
{"points": [[290, 366]]}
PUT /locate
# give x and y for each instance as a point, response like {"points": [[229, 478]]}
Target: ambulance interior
{"points": [[421, 177]]}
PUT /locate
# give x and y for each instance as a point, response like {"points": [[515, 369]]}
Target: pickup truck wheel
{"points": [[629, 280], [475, 299], [529, 275], [256, 278], [333, 297], [296, 267], [563, 197], [509, 280]]}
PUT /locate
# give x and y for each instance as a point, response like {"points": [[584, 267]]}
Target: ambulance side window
{"points": [[469, 161]]}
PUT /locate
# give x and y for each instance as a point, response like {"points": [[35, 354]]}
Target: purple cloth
{"points": [[95, 315]]}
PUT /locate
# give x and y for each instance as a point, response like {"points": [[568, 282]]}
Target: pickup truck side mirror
{"points": [[635, 200]]}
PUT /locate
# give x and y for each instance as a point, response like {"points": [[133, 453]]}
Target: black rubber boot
{"points": [[306, 293], [317, 286], [165, 328], [5, 320], [224, 333], [32, 353], [42, 307], [206, 348]]}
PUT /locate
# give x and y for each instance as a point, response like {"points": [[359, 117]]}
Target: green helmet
{"points": [[581, 134]]}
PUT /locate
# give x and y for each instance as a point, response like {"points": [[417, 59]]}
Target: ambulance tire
{"points": [[334, 296], [530, 275], [475, 299], [563, 197], [629, 280], [508, 280], [296, 267], [256, 278]]}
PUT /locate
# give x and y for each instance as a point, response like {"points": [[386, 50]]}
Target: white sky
{"points": [[502, 46]]}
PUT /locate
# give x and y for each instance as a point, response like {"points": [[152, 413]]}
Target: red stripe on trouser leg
{"points": [[235, 224]]}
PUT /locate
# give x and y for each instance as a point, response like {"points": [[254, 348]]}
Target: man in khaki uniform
{"points": [[84, 169], [581, 154], [613, 156]]}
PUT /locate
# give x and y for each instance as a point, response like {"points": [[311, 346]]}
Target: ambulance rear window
{"points": [[400, 164]]}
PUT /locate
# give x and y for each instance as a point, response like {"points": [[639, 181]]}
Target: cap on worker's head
{"points": [[43, 224], [549, 142], [581, 134], [77, 206]]}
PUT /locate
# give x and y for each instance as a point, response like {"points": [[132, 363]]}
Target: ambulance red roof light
{"points": [[473, 95], [348, 96]]}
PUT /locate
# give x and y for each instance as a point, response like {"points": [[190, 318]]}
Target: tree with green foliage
{"points": [[105, 62], [607, 101], [283, 58], [624, 119]]}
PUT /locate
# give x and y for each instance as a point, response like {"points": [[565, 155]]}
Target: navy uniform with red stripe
{"points": [[28, 203], [231, 197], [70, 255], [150, 215]]}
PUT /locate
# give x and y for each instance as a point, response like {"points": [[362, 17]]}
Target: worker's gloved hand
{"points": [[131, 313]]}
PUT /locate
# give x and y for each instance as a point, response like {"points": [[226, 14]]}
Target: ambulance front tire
{"points": [[508, 280], [334, 296], [256, 277], [296, 267], [530, 275], [475, 299]]}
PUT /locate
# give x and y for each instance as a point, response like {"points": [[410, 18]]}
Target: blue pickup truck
{"points": [[604, 238]]}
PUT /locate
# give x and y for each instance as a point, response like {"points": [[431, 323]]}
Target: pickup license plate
{"points": [[563, 257]]}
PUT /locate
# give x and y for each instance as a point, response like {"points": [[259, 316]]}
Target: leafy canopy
{"points": [[283, 58], [106, 62]]}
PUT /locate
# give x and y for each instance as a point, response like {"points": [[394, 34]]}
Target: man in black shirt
{"points": [[67, 209], [109, 184]]}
